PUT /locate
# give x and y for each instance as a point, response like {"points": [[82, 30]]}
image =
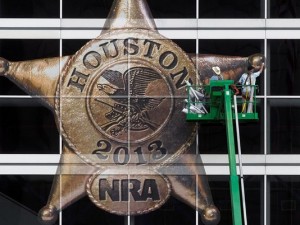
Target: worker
{"points": [[248, 81], [217, 73]]}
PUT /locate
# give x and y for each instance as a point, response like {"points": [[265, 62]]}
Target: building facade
{"points": [[30, 145]]}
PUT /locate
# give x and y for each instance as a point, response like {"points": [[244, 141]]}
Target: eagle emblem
{"points": [[131, 102]]}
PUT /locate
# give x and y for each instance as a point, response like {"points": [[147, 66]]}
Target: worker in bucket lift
{"points": [[217, 73], [215, 77], [196, 98], [248, 81]]}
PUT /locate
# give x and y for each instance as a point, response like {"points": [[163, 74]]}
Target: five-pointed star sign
{"points": [[118, 104]]}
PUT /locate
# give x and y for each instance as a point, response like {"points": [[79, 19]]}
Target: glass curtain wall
{"points": [[30, 144]]}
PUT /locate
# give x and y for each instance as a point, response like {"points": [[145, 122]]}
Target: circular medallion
{"points": [[121, 98], [129, 106]]}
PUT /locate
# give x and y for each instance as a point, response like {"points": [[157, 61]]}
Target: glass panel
{"points": [[284, 9], [86, 9], [284, 67], [100, 9], [174, 9], [27, 127], [173, 212], [21, 198], [284, 200], [253, 193], [188, 46], [231, 47], [70, 47], [285, 126], [29, 9], [230, 9], [85, 212]]}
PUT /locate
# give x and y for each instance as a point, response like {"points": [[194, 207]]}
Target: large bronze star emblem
{"points": [[118, 103]]}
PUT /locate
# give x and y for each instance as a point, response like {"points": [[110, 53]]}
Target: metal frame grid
{"points": [[264, 29]]}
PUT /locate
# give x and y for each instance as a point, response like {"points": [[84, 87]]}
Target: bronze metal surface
{"points": [[130, 101]]}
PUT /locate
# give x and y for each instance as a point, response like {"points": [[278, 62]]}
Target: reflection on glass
{"points": [[284, 67], [70, 46], [284, 200], [173, 212], [21, 197], [284, 9], [100, 8], [26, 127], [284, 126], [213, 139], [175, 9], [85, 212], [230, 9], [29, 9], [86, 9], [253, 193]]}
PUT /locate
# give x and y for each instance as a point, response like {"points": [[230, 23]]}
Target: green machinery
{"points": [[217, 96], [218, 103]]}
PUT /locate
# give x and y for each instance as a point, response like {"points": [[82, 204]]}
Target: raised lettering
{"points": [[129, 44], [159, 150], [140, 155], [131, 186], [113, 192], [172, 57], [120, 190], [121, 155], [150, 190], [92, 60], [182, 75], [152, 44], [117, 155], [104, 147], [108, 51], [78, 79]]}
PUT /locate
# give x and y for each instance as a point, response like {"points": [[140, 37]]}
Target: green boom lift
{"points": [[217, 102]]}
